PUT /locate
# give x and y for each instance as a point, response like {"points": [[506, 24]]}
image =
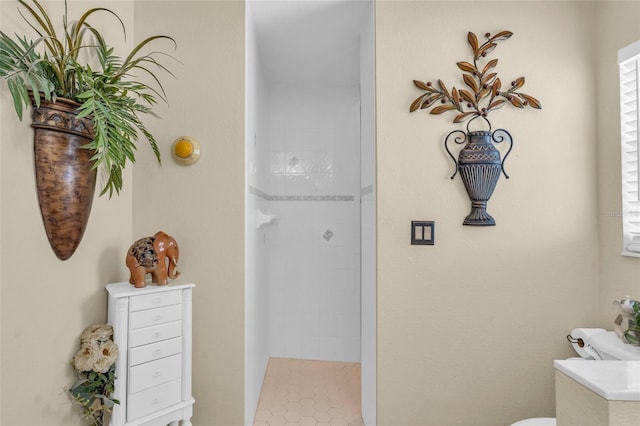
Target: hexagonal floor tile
{"points": [[300, 392]]}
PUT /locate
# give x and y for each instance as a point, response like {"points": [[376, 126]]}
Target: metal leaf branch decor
{"points": [[484, 92], [479, 161]]}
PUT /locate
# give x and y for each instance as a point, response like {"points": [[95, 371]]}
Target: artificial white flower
{"points": [[97, 332], [87, 356], [107, 354], [94, 392]]}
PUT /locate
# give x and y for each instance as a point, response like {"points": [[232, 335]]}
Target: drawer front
{"points": [[155, 300], [154, 399], [154, 373], [155, 316], [155, 351], [157, 333]]}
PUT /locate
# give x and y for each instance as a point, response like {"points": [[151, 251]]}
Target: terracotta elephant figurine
{"points": [[157, 255]]}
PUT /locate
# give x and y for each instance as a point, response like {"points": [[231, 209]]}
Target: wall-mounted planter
{"points": [[96, 118], [65, 178]]}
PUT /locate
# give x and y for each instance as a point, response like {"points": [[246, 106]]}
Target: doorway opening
{"points": [[310, 197]]}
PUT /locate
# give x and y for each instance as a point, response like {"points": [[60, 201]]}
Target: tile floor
{"points": [[298, 392]]}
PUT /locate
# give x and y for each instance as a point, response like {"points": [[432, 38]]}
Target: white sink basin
{"points": [[612, 380]]}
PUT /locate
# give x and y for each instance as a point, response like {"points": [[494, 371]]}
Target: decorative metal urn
{"points": [[480, 166]]}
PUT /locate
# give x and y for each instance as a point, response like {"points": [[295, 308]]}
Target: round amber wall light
{"points": [[186, 150]]}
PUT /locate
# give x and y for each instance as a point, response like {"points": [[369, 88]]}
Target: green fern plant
{"points": [[109, 92]]}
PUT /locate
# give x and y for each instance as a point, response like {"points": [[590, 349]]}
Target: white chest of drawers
{"points": [[152, 328]]}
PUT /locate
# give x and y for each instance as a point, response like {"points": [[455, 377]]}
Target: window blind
{"points": [[629, 63]]}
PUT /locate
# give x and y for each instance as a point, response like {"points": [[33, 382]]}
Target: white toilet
{"points": [[597, 344], [538, 421]]}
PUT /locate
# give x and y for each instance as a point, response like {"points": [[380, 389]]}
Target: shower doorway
{"points": [[310, 194]]}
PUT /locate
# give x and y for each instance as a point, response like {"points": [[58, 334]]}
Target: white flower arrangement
{"points": [[94, 366]]}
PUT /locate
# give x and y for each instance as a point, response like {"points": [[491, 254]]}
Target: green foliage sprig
{"points": [[92, 393], [108, 92], [484, 91], [632, 333]]}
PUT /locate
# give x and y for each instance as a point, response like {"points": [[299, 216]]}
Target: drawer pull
{"points": [[157, 352], [156, 335], [155, 401], [157, 374], [156, 318], [156, 300]]}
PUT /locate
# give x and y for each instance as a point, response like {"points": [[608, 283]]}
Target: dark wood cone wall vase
{"points": [[64, 177]]}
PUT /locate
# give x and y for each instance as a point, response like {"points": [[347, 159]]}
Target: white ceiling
{"points": [[310, 41]]}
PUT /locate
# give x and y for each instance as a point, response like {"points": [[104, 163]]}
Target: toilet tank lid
{"points": [[610, 344]]}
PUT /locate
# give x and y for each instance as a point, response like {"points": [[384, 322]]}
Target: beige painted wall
{"points": [[46, 303], [202, 206], [618, 274], [468, 328]]}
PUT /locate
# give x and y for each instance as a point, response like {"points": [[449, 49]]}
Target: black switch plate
{"points": [[423, 232]]}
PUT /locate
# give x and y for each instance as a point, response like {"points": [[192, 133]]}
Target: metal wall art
{"points": [[479, 161]]}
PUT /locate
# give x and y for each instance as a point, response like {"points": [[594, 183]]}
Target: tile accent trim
{"points": [[257, 192], [366, 190]]}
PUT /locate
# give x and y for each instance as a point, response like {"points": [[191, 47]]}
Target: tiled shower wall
{"points": [[309, 174]]}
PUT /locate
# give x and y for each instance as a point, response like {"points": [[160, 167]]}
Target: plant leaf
{"points": [[518, 83], [444, 89], [471, 82], [430, 101], [515, 101], [473, 41], [496, 104], [464, 116], [533, 102], [15, 90], [490, 65], [467, 96], [487, 78], [466, 66], [455, 97], [495, 88], [418, 102], [442, 108], [502, 35], [483, 94], [486, 49], [422, 85]]}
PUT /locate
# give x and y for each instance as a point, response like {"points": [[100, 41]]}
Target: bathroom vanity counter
{"points": [[612, 380], [597, 393]]}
